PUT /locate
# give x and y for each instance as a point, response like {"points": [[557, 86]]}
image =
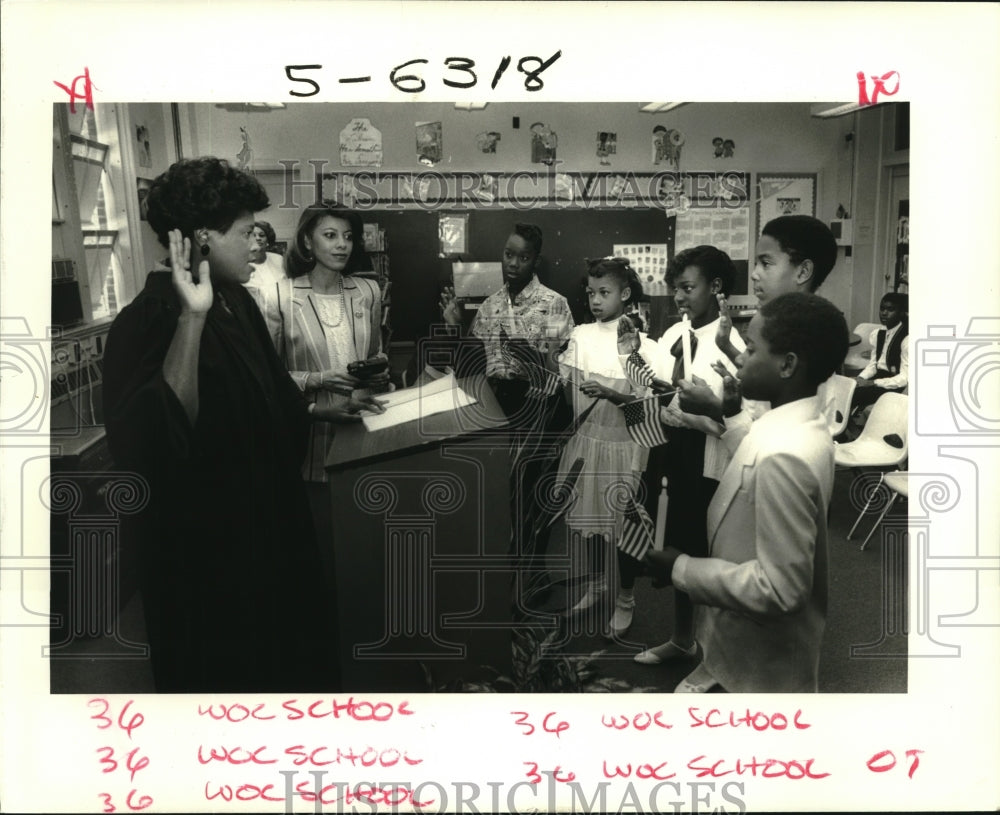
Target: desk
{"points": [[420, 547], [93, 575]]}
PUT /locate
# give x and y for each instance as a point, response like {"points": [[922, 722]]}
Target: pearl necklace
{"points": [[331, 307]]}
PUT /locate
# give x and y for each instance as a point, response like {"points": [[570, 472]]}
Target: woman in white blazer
{"points": [[329, 317]]}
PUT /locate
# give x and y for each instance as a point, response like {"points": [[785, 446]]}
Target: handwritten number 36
{"points": [[106, 722], [131, 802]]}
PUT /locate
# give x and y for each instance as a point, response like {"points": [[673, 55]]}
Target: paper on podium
{"points": [[409, 404]]}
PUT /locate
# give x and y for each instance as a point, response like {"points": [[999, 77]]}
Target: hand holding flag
{"points": [[642, 420], [637, 531]]}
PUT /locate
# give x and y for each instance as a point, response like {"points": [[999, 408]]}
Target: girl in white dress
{"points": [[612, 462]]}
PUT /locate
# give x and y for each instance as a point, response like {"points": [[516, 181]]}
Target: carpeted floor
{"points": [[862, 591]]}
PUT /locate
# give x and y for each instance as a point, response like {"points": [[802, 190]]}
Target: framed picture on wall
{"points": [[784, 194], [453, 232]]}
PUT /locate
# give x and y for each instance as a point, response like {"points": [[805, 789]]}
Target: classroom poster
{"points": [[727, 229], [649, 262], [360, 144]]}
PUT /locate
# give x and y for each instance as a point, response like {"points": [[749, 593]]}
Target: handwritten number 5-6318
{"points": [[406, 77]]}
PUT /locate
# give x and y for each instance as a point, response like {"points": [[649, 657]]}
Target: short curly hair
{"points": [[809, 326], [201, 192], [803, 237], [532, 235], [268, 231], [714, 264]]}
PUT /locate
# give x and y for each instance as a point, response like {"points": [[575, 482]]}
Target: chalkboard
{"points": [[418, 273]]}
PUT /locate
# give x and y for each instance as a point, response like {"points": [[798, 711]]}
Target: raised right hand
{"points": [[451, 308], [628, 337], [722, 334], [196, 298], [732, 396]]}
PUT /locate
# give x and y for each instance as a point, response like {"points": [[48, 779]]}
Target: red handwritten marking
{"points": [[644, 771], [134, 763], [878, 86], [766, 768], [368, 794], [88, 91], [756, 719], [143, 802], [305, 757], [523, 721], [369, 757], [114, 764], [640, 721], [132, 724], [135, 766], [530, 728], [535, 777], [234, 713], [234, 755], [359, 711], [244, 792], [103, 715], [874, 763]]}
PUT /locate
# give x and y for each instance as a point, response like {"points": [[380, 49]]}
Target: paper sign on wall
{"points": [[360, 144]]}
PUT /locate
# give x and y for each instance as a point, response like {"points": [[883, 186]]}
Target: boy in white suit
{"points": [[764, 584]]}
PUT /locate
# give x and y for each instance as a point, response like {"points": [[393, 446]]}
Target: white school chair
{"points": [[838, 391], [860, 355], [897, 484], [883, 441]]}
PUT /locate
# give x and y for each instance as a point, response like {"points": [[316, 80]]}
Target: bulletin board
{"points": [[570, 236], [784, 194]]}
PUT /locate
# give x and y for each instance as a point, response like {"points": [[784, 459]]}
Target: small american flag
{"points": [[544, 383], [638, 370], [637, 531], [642, 420], [507, 356]]}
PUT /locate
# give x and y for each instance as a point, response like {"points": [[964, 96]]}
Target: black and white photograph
{"points": [[272, 467], [563, 602]]}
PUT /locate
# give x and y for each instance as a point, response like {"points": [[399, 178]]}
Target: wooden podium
{"points": [[421, 533]]}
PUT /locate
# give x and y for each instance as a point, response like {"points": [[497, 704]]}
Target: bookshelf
{"points": [[378, 257]]}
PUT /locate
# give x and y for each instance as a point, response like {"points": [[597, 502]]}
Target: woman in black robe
{"points": [[198, 403]]}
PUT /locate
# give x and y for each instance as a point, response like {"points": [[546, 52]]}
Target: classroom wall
{"points": [[769, 137], [157, 120]]}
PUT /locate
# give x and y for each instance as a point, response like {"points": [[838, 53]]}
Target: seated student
{"points": [[889, 368], [764, 584]]}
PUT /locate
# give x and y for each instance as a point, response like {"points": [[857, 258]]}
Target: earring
{"points": [[205, 250]]}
